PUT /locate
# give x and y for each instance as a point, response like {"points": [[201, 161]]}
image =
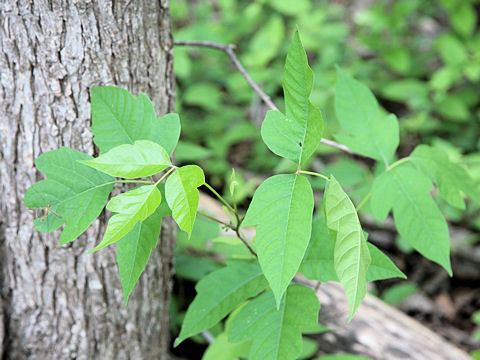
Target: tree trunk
{"points": [[56, 301]]}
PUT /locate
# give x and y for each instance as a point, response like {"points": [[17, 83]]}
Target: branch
{"points": [[230, 51]]}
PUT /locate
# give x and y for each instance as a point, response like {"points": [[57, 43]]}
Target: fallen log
{"points": [[378, 330]]}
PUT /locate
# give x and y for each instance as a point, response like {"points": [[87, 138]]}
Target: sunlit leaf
{"points": [[222, 349], [143, 158], [129, 208], [182, 195]]}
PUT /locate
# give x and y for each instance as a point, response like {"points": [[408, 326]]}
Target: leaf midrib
{"points": [[407, 195], [222, 299], [369, 122], [117, 118], [358, 245], [287, 226]]}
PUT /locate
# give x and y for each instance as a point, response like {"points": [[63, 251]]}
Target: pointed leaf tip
{"points": [[417, 216], [351, 254], [221, 292], [296, 134], [181, 192], [364, 128], [130, 207]]}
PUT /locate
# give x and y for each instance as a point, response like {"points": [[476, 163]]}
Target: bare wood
{"points": [[378, 331], [59, 302], [229, 49]]}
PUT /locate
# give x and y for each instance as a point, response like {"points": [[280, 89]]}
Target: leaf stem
{"points": [[219, 197], [245, 242], [231, 227], [216, 220], [364, 201], [172, 168], [398, 162], [132, 182], [314, 174]]}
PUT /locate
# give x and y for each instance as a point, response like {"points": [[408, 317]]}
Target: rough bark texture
{"points": [[56, 301]]}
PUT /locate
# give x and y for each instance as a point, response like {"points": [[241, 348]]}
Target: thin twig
{"points": [[236, 229], [229, 49], [338, 146], [245, 242], [207, 336], [216, 220]]}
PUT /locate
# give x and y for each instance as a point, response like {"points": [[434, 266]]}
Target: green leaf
{"points": [[205, 95], [452, 179], [204, 230], [417, 217], [182, 195], [351, 255], [318, 263], [130, 207], [276, 333], [296, 135], [222, 349], [464, 18], [191, 152], [282, 208], [143, 158], [219, 293], [285, 6], [381, 266], [194, 268], [118, 118], [265, 43], [366, 130], [133, 250], [309, 348], [452, 51], [399, 292], [75, 194]]}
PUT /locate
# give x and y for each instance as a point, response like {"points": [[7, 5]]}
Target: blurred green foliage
{"points": [[420, 58]]}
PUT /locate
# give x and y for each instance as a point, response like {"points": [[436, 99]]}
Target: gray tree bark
{"points": [[56, 302]]}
